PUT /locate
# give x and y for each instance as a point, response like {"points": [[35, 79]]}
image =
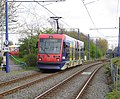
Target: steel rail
{"points": [[87, 82], [62, 82], [25, 85], [13, 90], [18, 79]]}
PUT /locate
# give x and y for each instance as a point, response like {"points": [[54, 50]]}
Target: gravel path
{"points": [[13, 67], [98, 87], [15, 72], [71, 89]]}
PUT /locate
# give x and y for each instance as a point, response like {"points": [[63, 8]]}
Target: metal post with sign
{"points": [[96, 49], [88, 47], [6, 37], [119, 40], [78, 34]]}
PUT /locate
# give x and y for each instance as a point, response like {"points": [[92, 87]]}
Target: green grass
{"points": [[19, 59], [113, 95], [30, 68]]}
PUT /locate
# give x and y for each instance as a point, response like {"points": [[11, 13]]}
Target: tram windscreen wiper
{"points": [[45, 51]]}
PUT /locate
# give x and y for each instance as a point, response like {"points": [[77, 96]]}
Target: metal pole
{"points": [[88, 47], [111, 66], [80, 54], [96, 49], [7, 54], [78, 34], [116, 76], [57, 25], [56, 18], [119, 40], [2, 33], [1, 22]]}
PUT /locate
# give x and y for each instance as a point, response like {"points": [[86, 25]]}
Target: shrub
{"points": [[31, 59], [113, 95], [21, 54]]}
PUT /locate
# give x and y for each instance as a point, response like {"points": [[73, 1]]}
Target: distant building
{"points": [[112, 53]]}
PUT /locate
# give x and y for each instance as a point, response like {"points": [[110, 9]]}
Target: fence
{"points": [[115, 74]]}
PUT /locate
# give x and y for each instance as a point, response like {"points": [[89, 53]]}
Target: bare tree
{"points": [[12, 18], [34, 22], [11, 13]]}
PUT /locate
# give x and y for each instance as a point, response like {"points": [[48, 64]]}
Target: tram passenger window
{"points": [[64, 46], [67, 51]]}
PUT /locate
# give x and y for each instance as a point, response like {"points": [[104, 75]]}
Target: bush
{"points": [[31, 59], [113, 95], [21, 54]]}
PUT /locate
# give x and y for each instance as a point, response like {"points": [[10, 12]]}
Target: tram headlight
{"points": [[58, 59], [63, 57], [40, 59]]}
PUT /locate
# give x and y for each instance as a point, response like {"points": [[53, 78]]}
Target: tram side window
{"points": [[82, 52], [64, 47], [68, 51]]}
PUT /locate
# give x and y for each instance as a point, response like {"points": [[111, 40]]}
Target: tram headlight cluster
{"points": [[63, 57]]}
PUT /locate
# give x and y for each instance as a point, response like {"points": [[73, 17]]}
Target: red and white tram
{"points": [[58, 51]]}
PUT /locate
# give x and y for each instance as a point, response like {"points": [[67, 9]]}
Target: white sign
{"points": [[6, 49]]}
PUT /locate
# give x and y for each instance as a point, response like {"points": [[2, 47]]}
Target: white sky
{"points": [[103, 13]]}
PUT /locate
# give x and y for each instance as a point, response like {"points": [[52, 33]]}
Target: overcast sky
{"points": [[103, 13]]}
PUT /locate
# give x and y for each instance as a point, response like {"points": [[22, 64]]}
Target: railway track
{"points": [[30, 83], [84, 86], [19, 79], [56, 90], [16, 88]]}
